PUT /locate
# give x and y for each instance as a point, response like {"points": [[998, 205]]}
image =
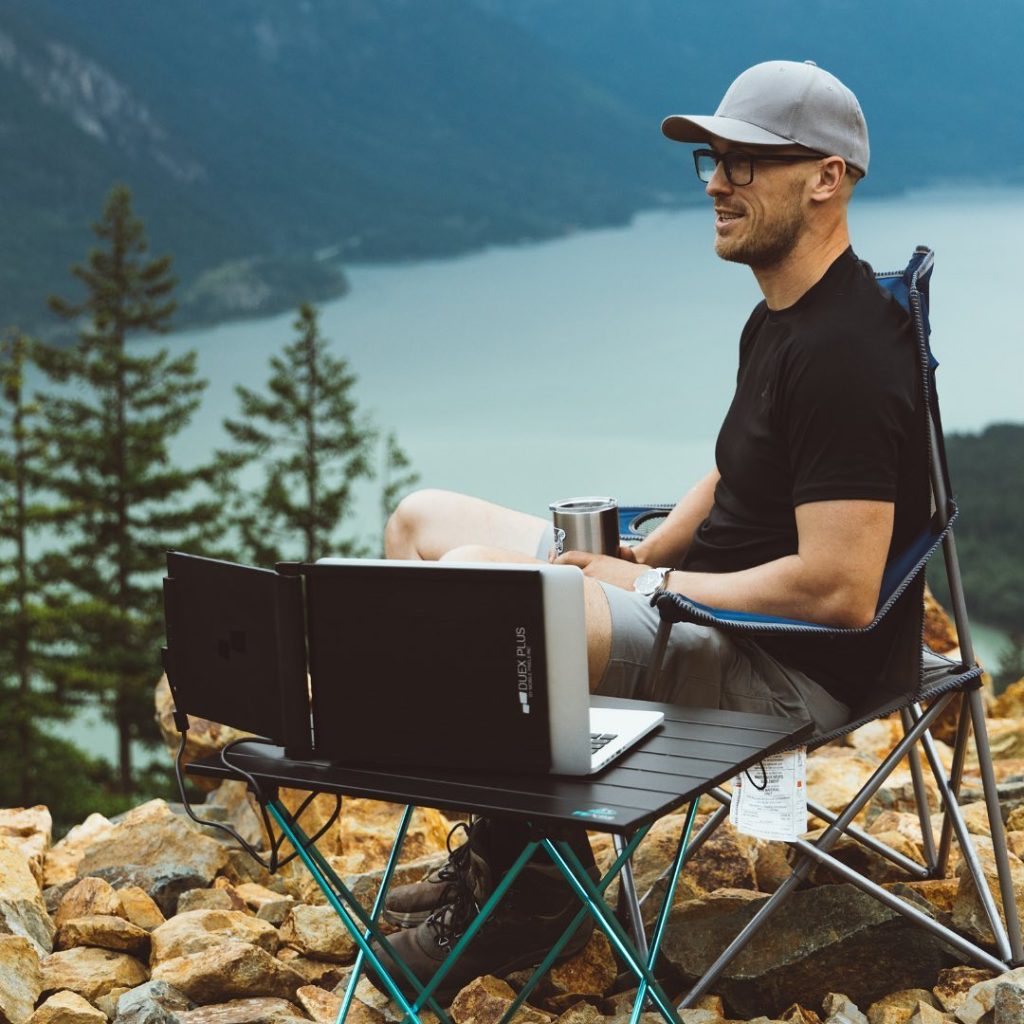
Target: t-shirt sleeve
{"points": [[846, 406]]}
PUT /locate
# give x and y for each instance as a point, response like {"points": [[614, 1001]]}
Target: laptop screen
{"points": [[428, 664]]}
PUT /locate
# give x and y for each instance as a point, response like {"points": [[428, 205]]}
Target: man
{"points": [[820, 469]]}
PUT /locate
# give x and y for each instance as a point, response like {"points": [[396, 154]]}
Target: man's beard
{"points": [[772, 241]]}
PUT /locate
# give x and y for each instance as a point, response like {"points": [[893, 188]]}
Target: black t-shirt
{"points": [[827, 406]]}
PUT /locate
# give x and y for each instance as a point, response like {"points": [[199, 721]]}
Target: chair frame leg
{"points": [[924, 814], [824, 843]]}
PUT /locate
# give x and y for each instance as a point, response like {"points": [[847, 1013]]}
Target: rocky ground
{"points": [[149, 919]]}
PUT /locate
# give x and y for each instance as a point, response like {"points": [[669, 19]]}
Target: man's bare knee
{"points": [[408, 524]]}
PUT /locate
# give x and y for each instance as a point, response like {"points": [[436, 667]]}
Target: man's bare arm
{"points": [[669, 542], [834, 578]]}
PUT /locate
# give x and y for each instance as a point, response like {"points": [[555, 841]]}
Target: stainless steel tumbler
{"points": [[586, 524]]}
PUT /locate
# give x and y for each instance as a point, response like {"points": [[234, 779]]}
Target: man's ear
{"points": [[828, 182]]}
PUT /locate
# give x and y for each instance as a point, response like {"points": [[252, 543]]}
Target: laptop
{"points": [[457, 665]]}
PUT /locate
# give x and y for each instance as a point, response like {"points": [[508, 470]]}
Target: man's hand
{"points": [[620, 572]]}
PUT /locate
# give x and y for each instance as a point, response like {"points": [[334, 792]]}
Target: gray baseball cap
{"points": [[782, 102]]}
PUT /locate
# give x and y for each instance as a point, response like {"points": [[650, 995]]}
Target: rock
{"points": [[256, 896], [591, 972], [1010, 703], [841, 1009], [31, 831], [836, 774], [242, 868], [362, 840], [953, 984], [22, 908], [939, 630], [88, 897], [91, 972], [246, 1011], [106, 932], [153, 1002], [320, 1005], [771, 867], [239, 808], [140, 908], [315, 972], [485, 1000], [818, 939], [981, 998], [1009, 1004], [165, 856], [975, 817], [727, 860], [67, 1008], [797, 1014], [221, 884], [925, 1013], [906, 823], [1006, 738], [864, 860], [205, 899], [21, 978], [969, 916], [318, 933], [232, 970], [197, 930], [694, 1016], [202, 738], [898, 794], [899, 1007], [60, 863], [938, 893]]}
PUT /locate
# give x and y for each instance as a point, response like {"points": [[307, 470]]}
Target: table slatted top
{"points": [[692, 751]]}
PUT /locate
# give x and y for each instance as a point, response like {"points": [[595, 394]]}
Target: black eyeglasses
{"points": [[739, 167]]}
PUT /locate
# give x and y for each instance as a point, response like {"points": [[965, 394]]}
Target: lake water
{"points": [[603, 362]]}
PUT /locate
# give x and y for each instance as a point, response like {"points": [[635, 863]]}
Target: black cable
{"points": [[274, 845], [764, 776]]}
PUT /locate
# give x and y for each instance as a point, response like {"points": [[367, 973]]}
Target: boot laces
{"points": [[450, 921]]}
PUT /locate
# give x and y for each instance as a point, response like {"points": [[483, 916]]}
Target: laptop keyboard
{"points": [[599, 740]]}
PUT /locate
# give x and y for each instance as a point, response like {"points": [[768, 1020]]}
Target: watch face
{"points": [[648, 582]]}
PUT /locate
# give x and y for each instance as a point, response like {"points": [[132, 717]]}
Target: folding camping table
{"points": [[694, 750]]}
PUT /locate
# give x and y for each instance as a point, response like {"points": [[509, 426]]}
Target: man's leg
{"points": [[428, 524]]}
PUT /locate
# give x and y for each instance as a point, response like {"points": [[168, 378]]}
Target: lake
{"points": [[603, 362]]}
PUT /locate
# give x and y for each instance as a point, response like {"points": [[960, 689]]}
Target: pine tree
{"points": [[397, 476], [307, 439], [121, 502], [26, 704]]}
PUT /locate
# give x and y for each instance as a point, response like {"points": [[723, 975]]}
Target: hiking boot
{"points": [[519, 933], [466, 868]]}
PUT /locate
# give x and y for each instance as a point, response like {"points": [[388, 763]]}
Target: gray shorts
{"points": [[706, 667]]}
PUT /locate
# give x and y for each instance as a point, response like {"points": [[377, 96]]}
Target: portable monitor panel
{"points": [[235, 648]]}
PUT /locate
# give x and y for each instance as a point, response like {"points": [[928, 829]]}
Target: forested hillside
{"points": [[269, 139], [987, 471]]}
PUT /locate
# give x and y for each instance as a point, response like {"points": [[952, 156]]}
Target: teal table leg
{"points": [[545, 965], [300, 841], [666, 908], [378, 903], [563, 856]]}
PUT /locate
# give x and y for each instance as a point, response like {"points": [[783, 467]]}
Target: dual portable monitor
{"points": [[394, 664]]}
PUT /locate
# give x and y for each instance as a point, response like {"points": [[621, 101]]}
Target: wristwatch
{"points": [[651, 581]]}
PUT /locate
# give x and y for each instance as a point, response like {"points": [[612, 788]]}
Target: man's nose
{"points": [[719, 183]]}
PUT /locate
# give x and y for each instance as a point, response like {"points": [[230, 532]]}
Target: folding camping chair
{"points": [[923, 700]]}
